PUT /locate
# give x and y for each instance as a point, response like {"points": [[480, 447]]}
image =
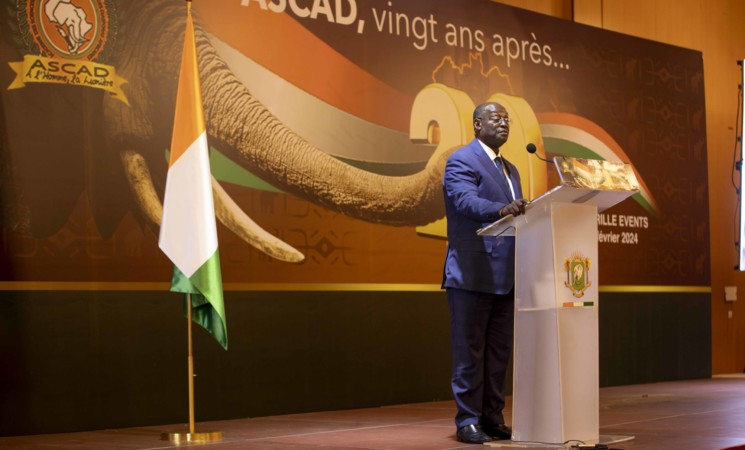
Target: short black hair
{"points": [[479, 110]]}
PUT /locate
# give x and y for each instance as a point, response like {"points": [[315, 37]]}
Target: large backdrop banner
{"points": [[329, 124]]}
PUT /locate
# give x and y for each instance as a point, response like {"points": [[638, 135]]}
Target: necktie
{"points": [[502, 176]]}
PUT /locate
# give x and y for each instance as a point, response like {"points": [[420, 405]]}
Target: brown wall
{"points": [[713, 27]]}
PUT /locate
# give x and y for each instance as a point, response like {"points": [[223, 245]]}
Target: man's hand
{"points": [[515, 208]]}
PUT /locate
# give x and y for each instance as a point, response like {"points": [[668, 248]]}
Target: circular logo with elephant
{"points": [[69, 29]]}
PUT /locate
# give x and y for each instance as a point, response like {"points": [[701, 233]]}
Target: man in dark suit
{"points": [[480, 187]]}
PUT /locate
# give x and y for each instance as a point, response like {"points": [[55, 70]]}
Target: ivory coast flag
{"points": [[188, 235]]}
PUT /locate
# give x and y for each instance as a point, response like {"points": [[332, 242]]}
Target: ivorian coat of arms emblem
{"points": [[577, 268]]}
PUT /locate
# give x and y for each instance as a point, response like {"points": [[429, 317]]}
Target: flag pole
{"points": [[192, 435], [190, 359]]}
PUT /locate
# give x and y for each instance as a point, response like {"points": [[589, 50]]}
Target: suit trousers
{"points": [[482, 329]]}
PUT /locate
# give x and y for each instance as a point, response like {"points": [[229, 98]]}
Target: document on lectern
{"points": [[596, 174]]}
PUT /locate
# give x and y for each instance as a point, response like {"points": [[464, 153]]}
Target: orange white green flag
{"points": [[188, 234]]}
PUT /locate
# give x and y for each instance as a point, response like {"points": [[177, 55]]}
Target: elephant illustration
{"points": [[71, 22], [579, 272], [239, 126]]}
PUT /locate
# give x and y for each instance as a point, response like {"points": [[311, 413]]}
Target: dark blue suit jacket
{"points": [[473, 197]]}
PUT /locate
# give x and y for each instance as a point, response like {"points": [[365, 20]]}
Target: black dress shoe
{"points": [[472, 434], [497, 432]]}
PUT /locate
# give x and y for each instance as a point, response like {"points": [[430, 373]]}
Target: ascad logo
{"points": [[74, 29], [67, 35]]}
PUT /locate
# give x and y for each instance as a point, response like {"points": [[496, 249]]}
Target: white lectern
{"points": [[556, 384]]}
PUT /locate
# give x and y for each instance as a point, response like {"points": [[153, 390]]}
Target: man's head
{"points": [[491, 124]]}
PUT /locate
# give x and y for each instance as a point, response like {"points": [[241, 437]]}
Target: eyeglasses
{"points": [[498, 119]]}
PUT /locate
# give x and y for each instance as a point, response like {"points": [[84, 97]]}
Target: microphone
{"points": [[532, 150]]}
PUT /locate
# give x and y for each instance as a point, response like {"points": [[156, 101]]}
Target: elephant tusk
{"points": [[226, 210], [141, 183], [233, 217]]}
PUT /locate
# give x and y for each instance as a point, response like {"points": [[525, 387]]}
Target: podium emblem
{"points": [[578, 274]]}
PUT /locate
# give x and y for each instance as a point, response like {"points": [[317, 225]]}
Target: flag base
{"points": [[180, 437]]}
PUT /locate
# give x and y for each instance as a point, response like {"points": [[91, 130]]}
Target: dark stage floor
{"points": [[683, 415]]}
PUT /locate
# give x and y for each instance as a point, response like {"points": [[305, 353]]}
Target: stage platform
{"points": [[704, 414]]}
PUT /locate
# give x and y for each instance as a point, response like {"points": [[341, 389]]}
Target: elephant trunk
{"points": [[239, 124]]}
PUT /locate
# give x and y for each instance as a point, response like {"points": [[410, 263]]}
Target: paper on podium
{"points": [[592, 181]]}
